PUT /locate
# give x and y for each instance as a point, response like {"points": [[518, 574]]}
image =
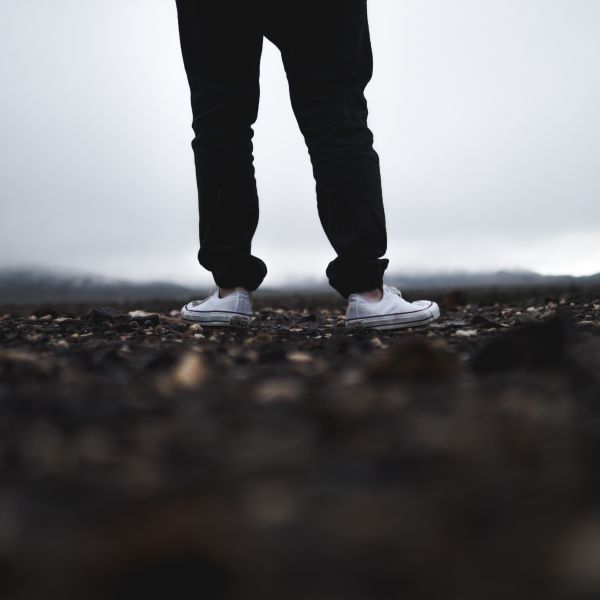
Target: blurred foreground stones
{"points": [[142, 457]]}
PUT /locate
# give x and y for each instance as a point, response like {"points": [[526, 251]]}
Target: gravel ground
{"points": [[143, 457]]}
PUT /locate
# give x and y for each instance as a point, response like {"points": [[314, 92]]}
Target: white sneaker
{"points": [[391, 312], [234, 310]]}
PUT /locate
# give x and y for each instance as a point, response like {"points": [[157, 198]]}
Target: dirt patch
{"points": [[143, 457]]}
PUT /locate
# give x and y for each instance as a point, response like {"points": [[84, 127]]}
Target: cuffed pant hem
{"points": [[358, 278], [248, 272]]}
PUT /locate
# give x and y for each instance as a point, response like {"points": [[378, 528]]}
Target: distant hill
{"points": [[38, 285], [493, 279], [23, 286]]}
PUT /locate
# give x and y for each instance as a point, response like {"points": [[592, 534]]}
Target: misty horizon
{"points": [[487, 131]]}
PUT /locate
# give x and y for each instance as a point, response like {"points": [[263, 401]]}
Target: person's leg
{"points": [[326, 50], [221, 53]]}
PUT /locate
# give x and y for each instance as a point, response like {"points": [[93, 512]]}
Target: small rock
{"points": [[278, 390], [377, 343], [141, 314], [466, 333], [458, 324], [190, 372], [299, 357], [45, 311], [144, 318]]}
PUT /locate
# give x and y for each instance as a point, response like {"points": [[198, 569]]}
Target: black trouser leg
{"points": [[221, 56], [326, 51]]}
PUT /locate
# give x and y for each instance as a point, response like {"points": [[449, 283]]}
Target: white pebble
{"points": [[465, 333]]}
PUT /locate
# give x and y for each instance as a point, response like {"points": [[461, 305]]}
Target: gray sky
{"points": [[485, 115]]}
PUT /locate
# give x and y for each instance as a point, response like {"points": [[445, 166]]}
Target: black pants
{"points": [[326, 51]]}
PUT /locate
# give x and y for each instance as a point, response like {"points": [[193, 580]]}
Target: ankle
{"points": [[227, 291], [372, 295]]}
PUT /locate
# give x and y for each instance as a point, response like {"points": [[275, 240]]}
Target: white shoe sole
{"points": [[216, 318], [418, 318]]}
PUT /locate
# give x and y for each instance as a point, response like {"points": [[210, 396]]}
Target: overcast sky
{"points": [[485, 115]]}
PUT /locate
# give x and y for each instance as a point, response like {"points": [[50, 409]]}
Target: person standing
{"points": [[326, 51]]}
